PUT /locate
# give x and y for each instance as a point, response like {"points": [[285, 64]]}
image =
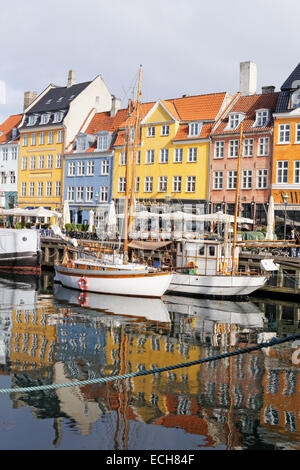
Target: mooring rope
{"points": [[249, 349]]}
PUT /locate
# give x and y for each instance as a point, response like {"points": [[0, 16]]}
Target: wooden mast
{"points": [[125, 256], [135, 145], [237, 199]]}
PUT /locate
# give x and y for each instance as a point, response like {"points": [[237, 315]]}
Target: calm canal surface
{"points": [[51, 335]]}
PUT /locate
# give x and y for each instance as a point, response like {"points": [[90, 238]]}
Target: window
{"points": [[3, 177], [137, 184], [50, 137], [248, 148], [295, 101], [79, 194], [192, 155], [40, 188], [150, 157], [103, 193], [24, 163], [33, 138], [282, 171], [81, 144], [23, 189], [45, 118], [191, 184], [32, 120], [233, 148], [178, 155], [70, 193], [131, 134], [165, 129], [138, 157], [104, 167], [122, 159], [71, 169], [284, 133], [58, 160], [42, 138], [14, 153], [262, 118], [262, 179], [247, 179], [162, 184], [58, 116], [219, 149], [297, 136], [5, 153], [263, 146], [31, 189], [49, 188], [297, 171], [90, 168], [102, 142], [80, 168], [12, 177], [164, 156], [232, 178], [218, 179], [194, 129], [25, 140], [122, 184], [32, 162], [59, 137], [41, 161], [148, 188], [57, 188], [49, 161], [89, 193], [234, 120], [151, 131], [177, 184]]}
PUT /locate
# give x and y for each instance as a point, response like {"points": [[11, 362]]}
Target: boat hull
{"points": [[217, 285], [20, 251], [137, 284]]}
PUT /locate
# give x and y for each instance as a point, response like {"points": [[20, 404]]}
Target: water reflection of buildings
{"points": [[225, 402]]}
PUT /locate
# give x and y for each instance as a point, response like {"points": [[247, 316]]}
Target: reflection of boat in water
{"points": [[150, 308], [17, 294], [246, 314]]}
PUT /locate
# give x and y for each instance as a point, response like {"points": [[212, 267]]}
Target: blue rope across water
{"points": [[249, 349]]}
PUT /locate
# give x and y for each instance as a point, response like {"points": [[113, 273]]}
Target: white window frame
{"points": [[90, 168], [58, 188], [58, 162], [71, 193], [32, 162], [5, 154], [50, 160], [25, 140], [177, 184], [150, 131], [89, 193], [49, 188], [45, 118], [178, 155], [137, 184], [31, 189], [32, 120], [33, 138], [14, 153], [23, 189], [122, 159], [24, 163], [162, 184], [58, 115], [263, 147], [282, 172], [165, 130], [148, 184], [80, 168], [122, 184], [164, 156], [191, 184], [150, 157], [105, 167], [231, 179], [219, 150], [297, 171], [40, 189], [50, 137], [192, 155], [284, 133], [102, 142], [234, 120], [71, 168], [248, 147], [247, 179], [218, 180], [41, 161], [262, 117], [79, 193], [103, 194], [194, 129], [262, 178], [233, 148], [59, 136], [42, 138]]}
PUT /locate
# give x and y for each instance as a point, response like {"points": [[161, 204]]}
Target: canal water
{"points": [[52, 335]]}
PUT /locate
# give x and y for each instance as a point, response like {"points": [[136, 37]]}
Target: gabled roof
{"points": [[7, 126], [60, 98], [295, 75], [248, 105], [200, 107]]}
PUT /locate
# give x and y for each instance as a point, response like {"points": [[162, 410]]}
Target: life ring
{"points": [[190, 268], [83, 284], [70, 263], [296, 356], [82, 299], [167, 259]]}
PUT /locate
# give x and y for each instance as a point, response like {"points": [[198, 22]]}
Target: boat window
{"points": [[201, 250], [212, 250]]}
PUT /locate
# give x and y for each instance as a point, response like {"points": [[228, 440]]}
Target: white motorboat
{"points": [[20, 250]]}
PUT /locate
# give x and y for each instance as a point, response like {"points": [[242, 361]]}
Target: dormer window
{"points": [[32, 120], [295, 99], [81, 143], [58, 116], [14, 133], [45, 118], [102, 142], [60, 99], [49, 101], [71, 97], [262, 118], [234, 120], [194, 129], [131, 134]]}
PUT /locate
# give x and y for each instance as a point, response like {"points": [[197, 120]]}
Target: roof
{"points": [[248, 105], [60, 98], [7, 126], [295, 75]]}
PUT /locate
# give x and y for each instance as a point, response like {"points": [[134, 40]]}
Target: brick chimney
{"points": [[29, 97], [115, 106], [248, 78], [71, 78]]}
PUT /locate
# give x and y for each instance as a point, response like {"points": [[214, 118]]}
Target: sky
{"points": [[185, 47]]}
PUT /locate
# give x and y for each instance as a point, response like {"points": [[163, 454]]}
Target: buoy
{"points": [[70, 263], [296, 356], [83, 285], [82, 299]]}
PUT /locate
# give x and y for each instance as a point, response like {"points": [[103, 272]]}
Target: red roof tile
{"points": [[7, 126]]}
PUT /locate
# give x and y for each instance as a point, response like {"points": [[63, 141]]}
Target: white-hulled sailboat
{"points": [[122, 277]]}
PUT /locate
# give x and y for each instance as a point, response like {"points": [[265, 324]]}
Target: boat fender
{"points": [[296, 356], [70, 263], [83, 285], [82, 299]]}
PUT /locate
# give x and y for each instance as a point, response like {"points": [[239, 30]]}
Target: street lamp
{"points": [[285, 199]]}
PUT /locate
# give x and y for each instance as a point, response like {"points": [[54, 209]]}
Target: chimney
{"points": [[29, 97], [115, 106], [248, 78], [71, 78], [267, 89]]}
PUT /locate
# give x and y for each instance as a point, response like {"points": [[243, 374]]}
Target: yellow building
{"points": [[172, 161]]}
